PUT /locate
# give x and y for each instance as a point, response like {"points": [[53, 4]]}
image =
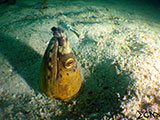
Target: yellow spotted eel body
{"points": [[59, 75]]}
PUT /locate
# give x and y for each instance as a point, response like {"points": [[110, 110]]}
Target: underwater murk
{"points": [[79, 60]]}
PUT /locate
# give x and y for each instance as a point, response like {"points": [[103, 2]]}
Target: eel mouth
{"points": [[64, 46]]}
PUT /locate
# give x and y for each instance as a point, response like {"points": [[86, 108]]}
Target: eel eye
{"points": [[69, 63]]}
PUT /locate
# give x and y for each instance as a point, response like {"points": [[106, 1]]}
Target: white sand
{"points": [[117, 44]]}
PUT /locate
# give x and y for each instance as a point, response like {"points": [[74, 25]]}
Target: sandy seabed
{"points": [[117, 44]]}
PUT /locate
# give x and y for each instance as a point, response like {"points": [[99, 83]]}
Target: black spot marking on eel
{"points": [[60, 75], [49, 68], [50, 59], [74, 68], [67, 73], [50, 50]]}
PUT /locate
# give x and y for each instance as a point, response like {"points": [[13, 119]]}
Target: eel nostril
{"points": [[53, 29]]}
